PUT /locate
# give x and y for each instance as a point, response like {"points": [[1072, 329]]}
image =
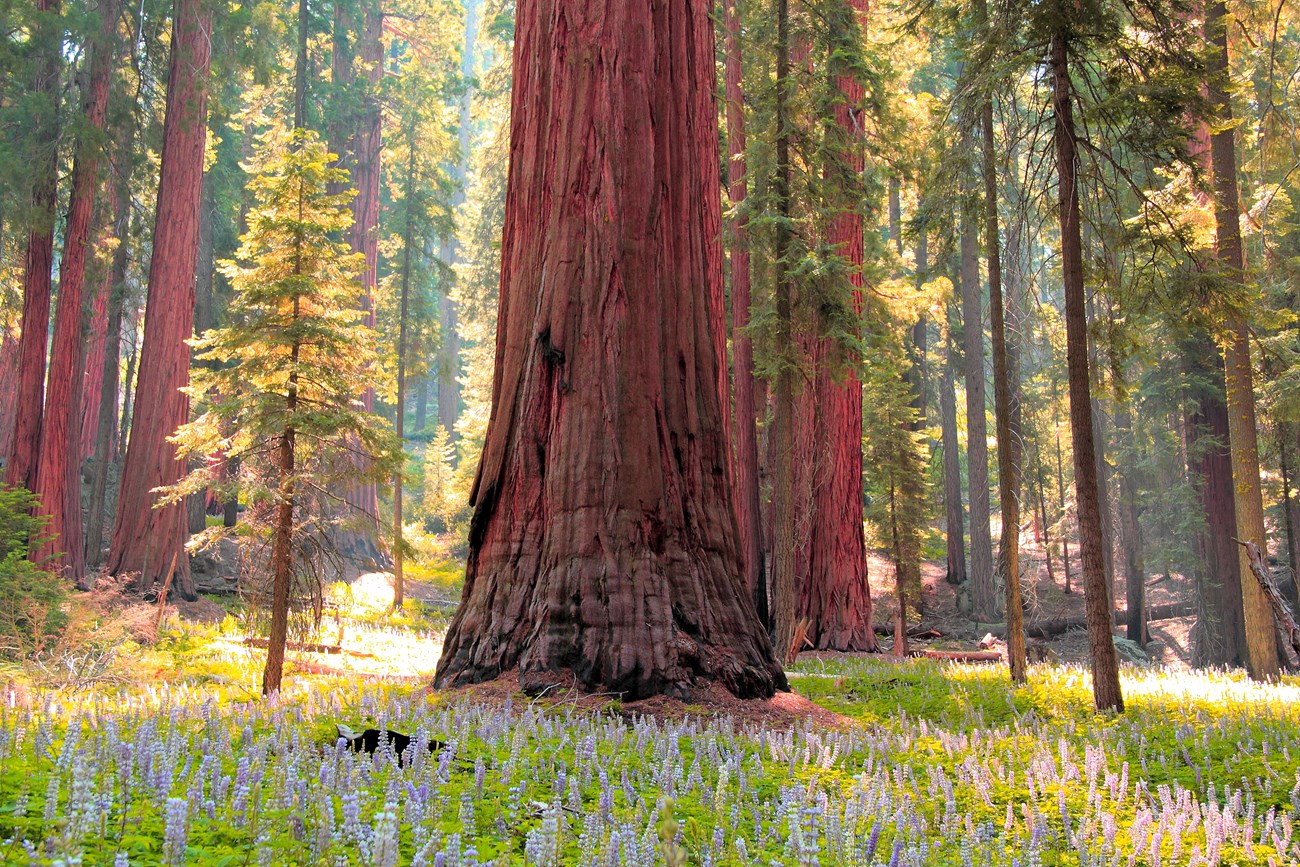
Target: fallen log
{"points": [[296, 645], [1281, 613], [961, 655], [1057, 626], [917, 631]]}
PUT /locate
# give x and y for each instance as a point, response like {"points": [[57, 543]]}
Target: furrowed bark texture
{"points": [[9, 345], [97, 339], [24, 443], [58, 473], [603, 542], [745, 430], [1101, 646], [835, 597], [982, 587], [1261, 638], [146, 539]]}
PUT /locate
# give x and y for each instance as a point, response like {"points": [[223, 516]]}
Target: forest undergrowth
{"points": [[931, 764]]}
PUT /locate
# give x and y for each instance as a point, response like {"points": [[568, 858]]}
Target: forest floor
{"points": [[165, 754]]}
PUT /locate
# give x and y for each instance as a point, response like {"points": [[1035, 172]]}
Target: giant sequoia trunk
{"points": [[24, 442], [148, 539], [58, 474], [603, 542], [835, 598], [983, 590], [1101, 646], [744, 437], [1261, 638]]}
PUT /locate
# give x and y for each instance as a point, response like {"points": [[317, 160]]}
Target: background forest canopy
{"points": [[1024, 269]]}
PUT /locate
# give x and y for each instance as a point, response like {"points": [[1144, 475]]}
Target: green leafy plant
{"points": [[32, 612]]}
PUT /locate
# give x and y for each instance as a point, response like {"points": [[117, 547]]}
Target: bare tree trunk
{"points": [[1261, 638], [146, 539], [983, 588], [954, 531], [1005, 358], [627, 579], [1101, 646], [1130, 528], [282, 545]]}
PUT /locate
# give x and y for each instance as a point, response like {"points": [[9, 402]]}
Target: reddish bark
{"points": [[24, 443], [9, 346], [955, 516], [602, 546], [744, 430], [96, 340], [146, 539], [360, 542], [983, 590], [58, 474], [835, 597]]}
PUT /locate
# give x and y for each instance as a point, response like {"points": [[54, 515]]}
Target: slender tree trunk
{"points": [[1042, 516], [408, 239], [783, 417], [983, 588], [282, 545], [1005, 358], [1099, 439], [1065, 515], [1101, 646], [106, 420], [58, 474], [954, 530], [1130, 528], [145, 539], [1286, 436], [96, 339], [47, 52], [421, 402], [1261, 637], [627, 579], [745, 433]]}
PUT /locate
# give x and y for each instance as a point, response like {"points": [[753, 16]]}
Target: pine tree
{"points": [[293, 358]]}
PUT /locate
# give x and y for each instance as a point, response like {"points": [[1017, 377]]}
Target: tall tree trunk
{"points": [[1005, 359], [1064, 512], [627, 579], [47, 53], [745, 433], [1286, 436], [58, 474], [146, 539], [1099, 439], [421, 402], [1220, 637], [784, 580], [448, 366], [1130, 529], [282, 544], [106, 422], [1101, 646], [1261, 637], [954, 529], [835, 599], [9, 349], [982, 586], [96, 339], [408, 239], [360, 543]]}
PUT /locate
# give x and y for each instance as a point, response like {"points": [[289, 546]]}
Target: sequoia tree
{"points": [[46, 41], [602, 548], [146, 539], [58, 472], [835, 598]]}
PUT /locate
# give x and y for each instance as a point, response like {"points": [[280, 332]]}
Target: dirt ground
{"points": [[1044, 598]]}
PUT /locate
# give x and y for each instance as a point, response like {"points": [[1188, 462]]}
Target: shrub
{"points": [[32, 613]]}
